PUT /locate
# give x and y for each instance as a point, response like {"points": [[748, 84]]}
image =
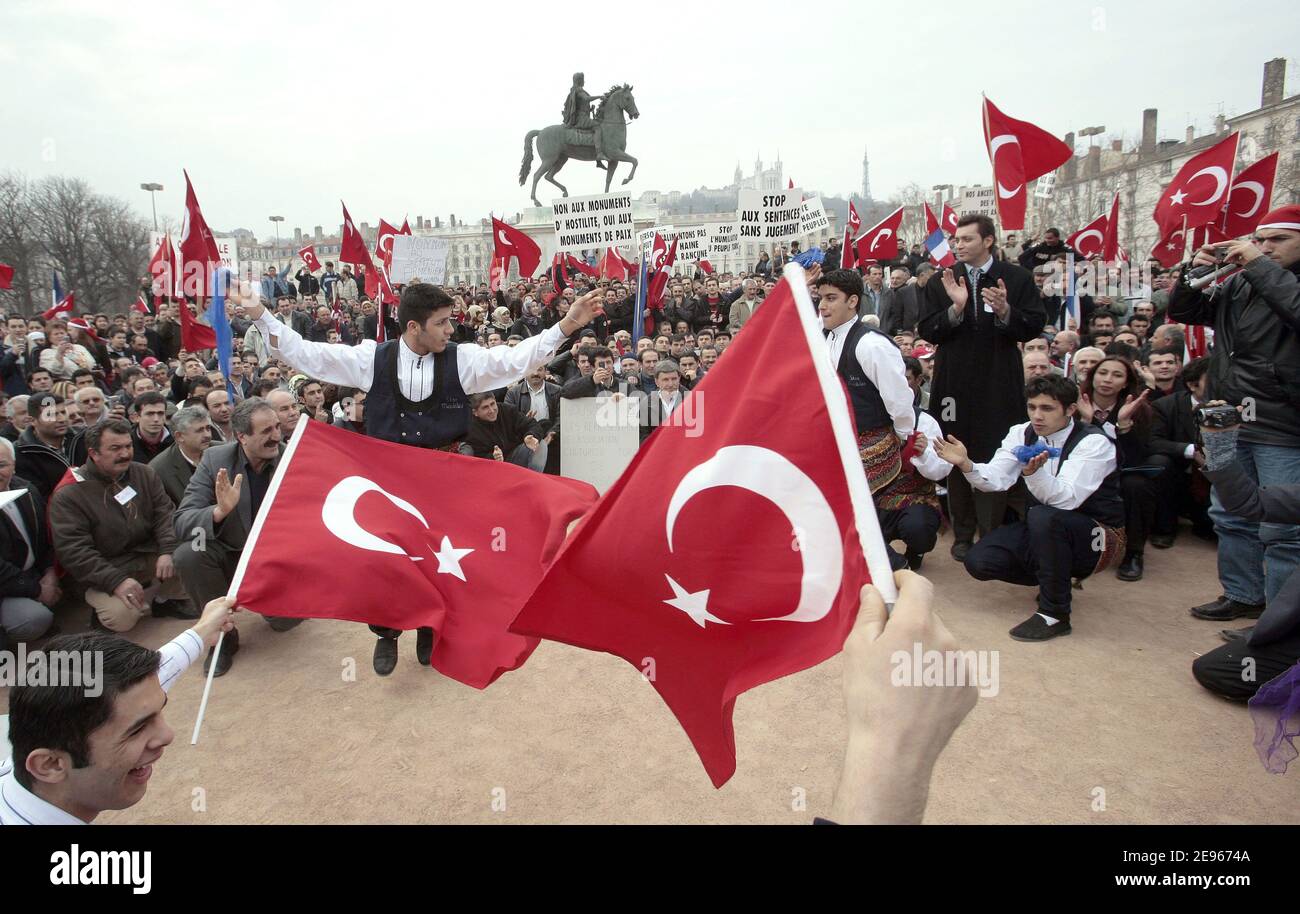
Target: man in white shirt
{"points": [[1075, 522], [418, 386], [81, 748], [872, 368]]}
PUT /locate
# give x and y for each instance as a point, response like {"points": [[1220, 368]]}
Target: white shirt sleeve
{"points": [[483, 369], [883, 365], [1000, 473], [337, 363], [1091, 461], [928, 463], [177, 655]]}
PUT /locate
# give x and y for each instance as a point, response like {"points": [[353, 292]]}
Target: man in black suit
{"points": [[29, 585], [977, 314], [1181, 488], [900, 304]]}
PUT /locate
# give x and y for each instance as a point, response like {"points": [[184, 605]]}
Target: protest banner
{"points": [[601, 436], [692, 243], [645, 238], [769, 217], [418, 257], [813, 218], [595, 222]]}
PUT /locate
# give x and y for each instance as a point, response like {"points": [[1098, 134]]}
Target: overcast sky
{"points": [[421, 109]]}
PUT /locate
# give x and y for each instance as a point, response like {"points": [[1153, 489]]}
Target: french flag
{"points": [[936, 242]]}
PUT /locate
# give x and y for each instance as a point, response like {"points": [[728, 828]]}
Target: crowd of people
{"points": [[1057, 437]]}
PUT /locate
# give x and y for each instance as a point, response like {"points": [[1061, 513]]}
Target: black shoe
{"points": [[1236, 634], [1162, 540], [175, 609], [385, 659], [229, 648], [1227, 611], [423, 645], [1131, 568], [1217, 603], [1035, 628], [959, 550], [914, 560], [282, 623]]}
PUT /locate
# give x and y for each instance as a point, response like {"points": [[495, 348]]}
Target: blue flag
{"points": [[221, 325], [638, 319]]}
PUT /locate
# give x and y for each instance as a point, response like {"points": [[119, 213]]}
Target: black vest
{"points": [[438, 420], [1106, 505], [869, 410]]}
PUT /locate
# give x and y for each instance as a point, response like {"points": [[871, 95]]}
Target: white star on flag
{"points": [[695, 605], [449, 558], [1177, 198]]}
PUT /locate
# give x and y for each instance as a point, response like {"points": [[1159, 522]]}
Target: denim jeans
{"points": [[1256, 559]]}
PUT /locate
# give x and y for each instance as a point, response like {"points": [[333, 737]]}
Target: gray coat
{"points": [[200, 500], [900, 309], [174, 471]]}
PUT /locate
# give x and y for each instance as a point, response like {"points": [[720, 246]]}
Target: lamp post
{"points": [[276, 220], [153, 188]]}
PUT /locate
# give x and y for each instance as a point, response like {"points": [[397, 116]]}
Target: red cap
{"points": [[1284, 217], [922, 352]]}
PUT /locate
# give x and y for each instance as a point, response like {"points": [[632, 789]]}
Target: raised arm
{"points": [[337, 363]]}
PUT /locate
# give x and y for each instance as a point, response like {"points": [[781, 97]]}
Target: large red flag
{"points": [[308, 255], [1019, 153], [1196, 195], [949, 223], [6, 276], [1169, 249], [576, 263], [390, 550], [855, 221], [880, 242], [508, 241], [197, 246], [1110, 237], [354, 246], [195, 336], [659, 283], [1250, 198], [612, 266], [384, 243], [705, 618], [1087, 241]]}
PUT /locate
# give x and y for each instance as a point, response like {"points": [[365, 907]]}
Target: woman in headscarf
{"points": [[530, 321]]}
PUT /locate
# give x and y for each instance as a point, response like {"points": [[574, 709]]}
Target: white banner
{"points": [[812, 218], [979, 200], [645, 238], [593, 223], [769, 217], [419, 257], [692, 243], [601, 436], [724, 239]]}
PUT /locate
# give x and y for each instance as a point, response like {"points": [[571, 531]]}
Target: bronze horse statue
{"points": [[557, 144]]}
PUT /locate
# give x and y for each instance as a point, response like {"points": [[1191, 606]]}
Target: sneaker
{"points": [[959, 550], [1162, 540], [423, 645], [1035, 628], [1227, 611], [229, 648], [385, 659], [1236, 634], [1131, 568]]}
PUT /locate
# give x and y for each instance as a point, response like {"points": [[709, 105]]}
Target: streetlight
{"points": [[152, 188], [1092, 131], [276, 220]]}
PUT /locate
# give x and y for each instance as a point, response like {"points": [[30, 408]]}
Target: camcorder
{"points": [[1217, 416]]}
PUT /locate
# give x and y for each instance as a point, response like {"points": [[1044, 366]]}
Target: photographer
{"points": [[1255, 362], [1273, 643]]}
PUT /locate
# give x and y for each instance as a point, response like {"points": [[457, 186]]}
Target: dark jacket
{"points": [[101, 542], [1256, 320], [42, 465], [1173, 426], [169, 338], [507, 432], [1241, 497], [174, 471], [200, 498], [520, 398], [11, 372], [14, 582], [1042, 253], [900, 309], [146, 452]]}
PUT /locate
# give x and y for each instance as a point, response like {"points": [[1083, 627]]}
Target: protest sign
{"points": [[692, 243], [645, 238], [724, 239], [592, 223], [416, 257], [812, 218], [601, 436], [769, 217]]}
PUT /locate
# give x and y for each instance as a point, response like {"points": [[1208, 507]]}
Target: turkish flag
{"points": [[855, 221], [848, 256], [880, 242], [354, 246], [949, 220], [1087, 241], [384, 243], [164, 267], [197, 246], [705, 267], [791, 187], [508, 241], [613, 266], [6, 276], [195, 336], [1019, 153], [82, 324], [496, 272], [140, 305], [389, 550], [1249, 199], [1169, 249], [1197, 193], [308, 255], [706, 617], [575, 263], [659, 282], [1110, 237]]}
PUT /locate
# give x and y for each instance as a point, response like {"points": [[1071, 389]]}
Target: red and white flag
{"points": [[82, 324], [496, 273], [854, 221], [508, 241], [140, 305], [615, 266], [705, 267], [354, 246], [1249, 198], [949, 220], [384, 243], [1110, 237], [662, 272], [1196, 195], [1019, 152], [1087, 241], [848, 254], [164, 267], [1168, 251], [389, 550], [198, 247], [706, 619], [308, 255], [880, 242]]}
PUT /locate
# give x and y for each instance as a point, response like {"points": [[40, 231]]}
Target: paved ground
{"points": [[1109, 714]]}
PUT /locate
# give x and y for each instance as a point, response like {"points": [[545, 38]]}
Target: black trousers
{"points": [[1228, 670], [916, 525], [1141, 495], [1175, 499], [384, 631], [969, 509], [1048, 548]]}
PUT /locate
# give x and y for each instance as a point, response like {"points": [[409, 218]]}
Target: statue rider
{"points": [[577, 114]]}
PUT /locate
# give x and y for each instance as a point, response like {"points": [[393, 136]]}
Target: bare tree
{"points": [[20, 246]]}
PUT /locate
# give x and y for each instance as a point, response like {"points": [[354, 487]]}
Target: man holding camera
{"points": [[1255, 363]]}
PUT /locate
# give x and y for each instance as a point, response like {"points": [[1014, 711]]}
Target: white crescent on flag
{"points": [[1253, 187], [1079, 242], [1220, 177], [883, 233], [994, 145]]}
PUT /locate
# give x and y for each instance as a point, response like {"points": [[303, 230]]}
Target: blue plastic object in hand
{"points": [[1027, 452], [808, 258]]}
